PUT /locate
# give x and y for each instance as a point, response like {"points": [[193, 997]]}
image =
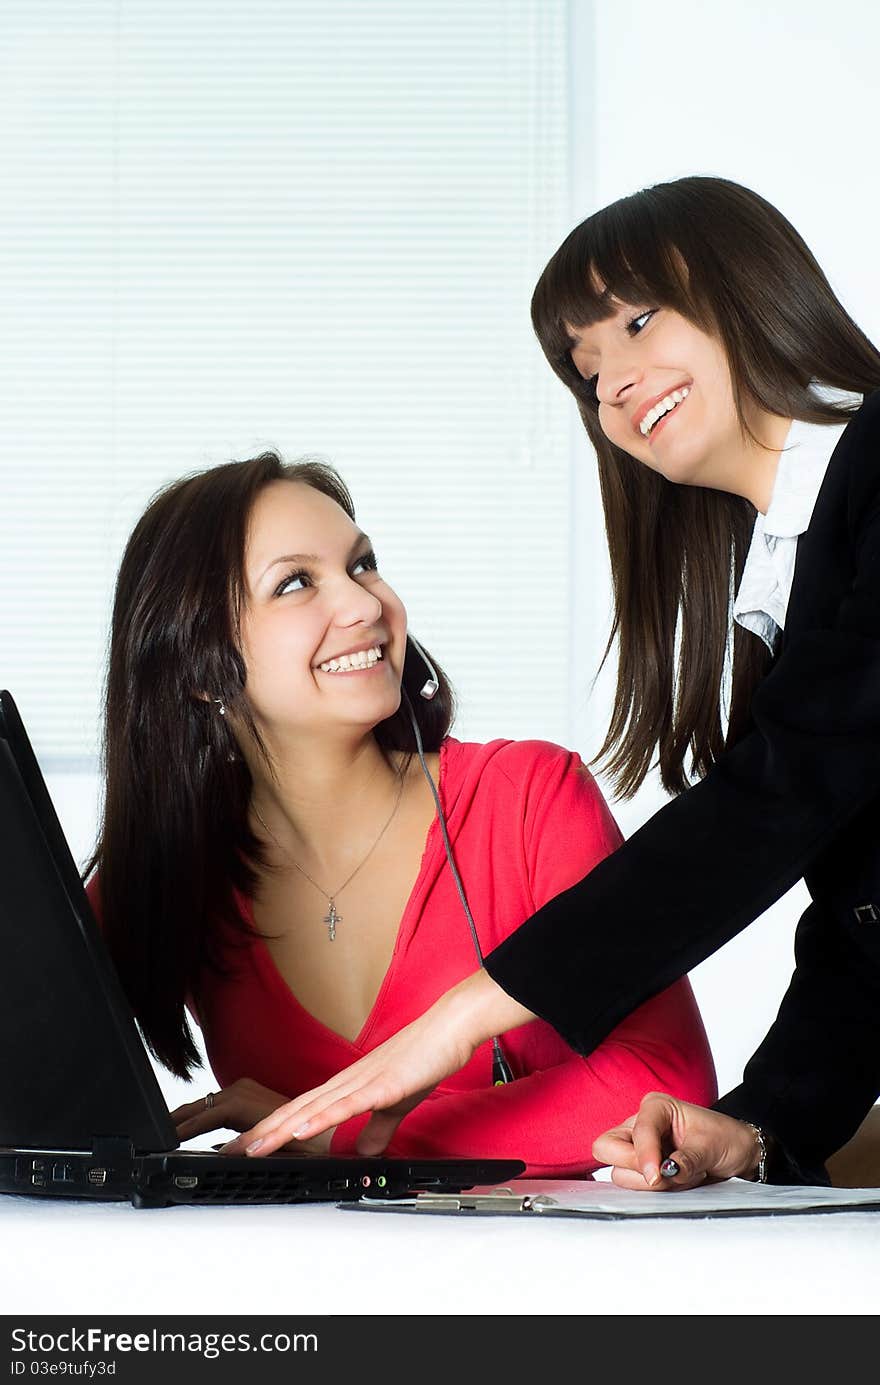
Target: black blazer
{"points": [[798, 796]]}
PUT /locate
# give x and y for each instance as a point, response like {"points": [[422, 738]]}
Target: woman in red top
{"points": [[271, 858]]}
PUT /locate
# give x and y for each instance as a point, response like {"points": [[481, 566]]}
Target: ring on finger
{"points": [[209, 1101]]}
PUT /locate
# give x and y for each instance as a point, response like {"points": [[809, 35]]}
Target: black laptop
{"points": [[81, 1112]]}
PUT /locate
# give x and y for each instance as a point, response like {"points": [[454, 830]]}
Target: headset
{"points": [[501, 1069]]}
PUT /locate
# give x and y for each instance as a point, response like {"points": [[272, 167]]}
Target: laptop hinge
{"points": [[111, 1149]]}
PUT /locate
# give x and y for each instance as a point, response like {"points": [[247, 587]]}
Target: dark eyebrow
{"points": [[315, 557]]}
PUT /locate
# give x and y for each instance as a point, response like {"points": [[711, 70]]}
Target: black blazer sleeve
{"points": [[712, 860]]}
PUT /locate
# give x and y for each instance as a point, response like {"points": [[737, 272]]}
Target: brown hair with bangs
{"points": [[175, 845], [729, 262]]}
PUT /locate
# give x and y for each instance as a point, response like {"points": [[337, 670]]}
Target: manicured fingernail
{"points": [[652, 1175], [252, 1149], [303, 1130]]}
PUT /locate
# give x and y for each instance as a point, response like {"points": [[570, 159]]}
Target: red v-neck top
{"points": [[526, 820]]}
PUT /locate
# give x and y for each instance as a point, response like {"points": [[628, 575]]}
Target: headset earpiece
{"points": [[432, 686]]}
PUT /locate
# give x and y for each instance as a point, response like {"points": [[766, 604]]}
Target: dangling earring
{"points": [[218, 701]]}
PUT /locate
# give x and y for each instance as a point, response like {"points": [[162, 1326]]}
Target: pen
{"points": [[669, 1168]]}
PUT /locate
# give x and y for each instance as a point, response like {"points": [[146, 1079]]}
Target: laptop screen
{"points": [[74, 1068]]}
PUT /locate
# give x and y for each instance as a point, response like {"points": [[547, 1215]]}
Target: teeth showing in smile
{"points": [[365, 658], [654, 415]]}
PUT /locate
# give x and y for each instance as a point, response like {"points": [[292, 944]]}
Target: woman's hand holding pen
{"points": [[237, 1107], [397, 1075], [705, 1145]]}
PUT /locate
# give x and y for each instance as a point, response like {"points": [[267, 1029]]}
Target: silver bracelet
{"points": [[760, 1175]]}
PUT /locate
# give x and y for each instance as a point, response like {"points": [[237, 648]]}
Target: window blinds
{"points": [[308, 226]]}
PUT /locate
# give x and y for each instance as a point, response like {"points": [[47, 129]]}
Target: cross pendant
{"points": [[331, 921]]}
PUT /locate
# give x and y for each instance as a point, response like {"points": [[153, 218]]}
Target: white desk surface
{"points": [[108, 1258]]}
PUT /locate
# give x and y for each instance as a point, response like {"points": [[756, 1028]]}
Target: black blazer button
{"points": [[866, 913]]}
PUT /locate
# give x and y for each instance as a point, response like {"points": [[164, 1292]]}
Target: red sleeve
{"points": [[550, 1118]]}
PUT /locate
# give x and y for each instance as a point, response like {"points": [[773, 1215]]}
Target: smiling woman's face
{"points": [[316, 610], [643, 360]]}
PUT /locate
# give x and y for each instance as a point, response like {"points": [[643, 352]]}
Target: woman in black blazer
{"points": [[693, 325]]}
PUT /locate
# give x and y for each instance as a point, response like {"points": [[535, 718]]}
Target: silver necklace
{"points": [[332, 917]]}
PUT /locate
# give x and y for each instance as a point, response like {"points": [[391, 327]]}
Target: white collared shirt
{"points": [[762, 599]]}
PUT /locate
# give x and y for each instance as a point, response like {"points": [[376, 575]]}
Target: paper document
{"points": [[585, 1198]]}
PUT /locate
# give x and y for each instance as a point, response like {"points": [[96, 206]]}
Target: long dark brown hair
{"points": [[175, 844], [732, 264]]}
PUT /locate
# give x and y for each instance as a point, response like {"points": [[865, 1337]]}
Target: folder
{"points": [[604, 1201]]}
